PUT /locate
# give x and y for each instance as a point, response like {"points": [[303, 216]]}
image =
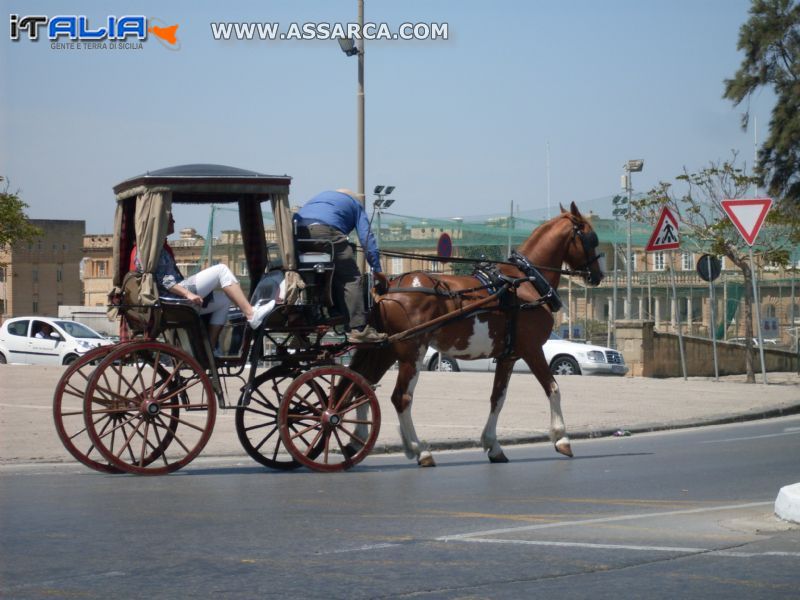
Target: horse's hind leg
{"points": [[402, 398], [558, 433], [489, 436]]}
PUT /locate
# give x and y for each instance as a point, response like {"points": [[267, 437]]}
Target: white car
{"points": [[565, 358], [46, 341]]}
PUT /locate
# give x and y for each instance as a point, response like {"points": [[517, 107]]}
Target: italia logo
{"points": [[78, 28]]}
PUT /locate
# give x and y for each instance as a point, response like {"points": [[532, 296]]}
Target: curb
{"points": [[583, 434], [787, 504]]}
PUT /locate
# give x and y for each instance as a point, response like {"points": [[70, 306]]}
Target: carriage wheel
{"points": [[257, 422], [68, 410], [329, 418], [149, 408]]}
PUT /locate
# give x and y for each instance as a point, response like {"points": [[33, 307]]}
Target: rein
{"points": [[474, 261]]}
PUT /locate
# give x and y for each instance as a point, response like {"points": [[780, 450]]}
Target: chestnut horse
{"points": [[511, 325]]}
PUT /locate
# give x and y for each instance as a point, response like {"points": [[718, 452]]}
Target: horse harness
{"points": [[498, 285]]}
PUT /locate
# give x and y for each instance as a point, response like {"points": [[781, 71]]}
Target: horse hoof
{"points": [[563, 447], [426, 461], [500, 458]]}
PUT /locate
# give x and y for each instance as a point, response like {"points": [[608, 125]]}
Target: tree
{"points": [[770, 40], [700, 216], [477, 252], [14, 224]]}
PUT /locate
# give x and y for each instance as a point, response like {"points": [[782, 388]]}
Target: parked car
{"points": [[46, 341], [564, 356]]}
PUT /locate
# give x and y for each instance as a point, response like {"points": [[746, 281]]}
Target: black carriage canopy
{"points": [[144, 201]]}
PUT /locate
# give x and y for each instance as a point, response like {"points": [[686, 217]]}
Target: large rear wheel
{"points": [[149, 408], [68, 410], [329, 418]]}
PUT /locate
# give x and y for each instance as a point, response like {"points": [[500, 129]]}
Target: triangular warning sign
{"points": [[747, 215], [665, 235]]}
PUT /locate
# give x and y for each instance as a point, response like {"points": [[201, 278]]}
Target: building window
{"points": [[35, 306], [658, 261], [435, 266], [101, 268], [59, 273], [770, 311], [242, 267], [35, 275], [64, 246], [686, 261]]}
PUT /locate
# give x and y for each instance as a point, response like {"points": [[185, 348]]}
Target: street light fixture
{"points": [[382, 203], [632, 166], [620, 210]]}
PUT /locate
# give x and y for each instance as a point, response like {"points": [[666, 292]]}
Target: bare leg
{"points": [[489, 436], [235, 293]]}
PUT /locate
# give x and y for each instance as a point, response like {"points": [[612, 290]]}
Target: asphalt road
{"points": [[662, 515]]}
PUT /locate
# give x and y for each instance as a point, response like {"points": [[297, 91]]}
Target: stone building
{"points": [[39, 276]]}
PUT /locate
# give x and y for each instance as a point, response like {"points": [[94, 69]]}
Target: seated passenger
{"points": [[217, 281]]}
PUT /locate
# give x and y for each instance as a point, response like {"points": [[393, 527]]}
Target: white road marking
{"points": [[690, 511], [752, 437], [709, 551], [359, 548], [26, 406]]}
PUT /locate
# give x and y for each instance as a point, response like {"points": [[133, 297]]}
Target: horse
{"points": [[469, 321]]}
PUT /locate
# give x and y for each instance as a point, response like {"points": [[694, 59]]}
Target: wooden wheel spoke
{"points": [[352, 435], [180, 421], [359, 402], [347, 459], [312, 445], [265, 439], [343, 398]]}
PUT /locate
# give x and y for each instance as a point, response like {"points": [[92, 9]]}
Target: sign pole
{"points": [[677, 311], [757, 304], [713, 318]]}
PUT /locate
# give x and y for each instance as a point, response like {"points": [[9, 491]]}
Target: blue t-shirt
{"points": [[344, 213]]}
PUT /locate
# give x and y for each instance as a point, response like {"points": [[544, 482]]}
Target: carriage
{"points": [[148, 404]]}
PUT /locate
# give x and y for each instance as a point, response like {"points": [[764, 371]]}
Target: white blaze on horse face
{"points": [[480, 344]]}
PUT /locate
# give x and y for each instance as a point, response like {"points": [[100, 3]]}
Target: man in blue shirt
{"points": [[331, 216]]}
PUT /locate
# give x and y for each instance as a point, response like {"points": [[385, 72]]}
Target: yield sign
{"points": [[747, 215], [665, 235]]}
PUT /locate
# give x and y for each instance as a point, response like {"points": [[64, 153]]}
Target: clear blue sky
{"points": [[459, 126]]}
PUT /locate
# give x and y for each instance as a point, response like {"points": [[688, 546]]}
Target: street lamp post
{"points": [[632, 166], [350, 49], [620, 210]]}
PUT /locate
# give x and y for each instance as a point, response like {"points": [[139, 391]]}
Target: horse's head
{"points": [[582, 247]]}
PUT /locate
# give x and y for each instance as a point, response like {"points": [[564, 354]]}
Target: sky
{"points": [[460, 126]]}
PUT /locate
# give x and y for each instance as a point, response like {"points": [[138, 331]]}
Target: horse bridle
{"points": [[589, 242]]}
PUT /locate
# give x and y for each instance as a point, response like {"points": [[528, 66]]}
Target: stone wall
{"points": [[651, 353]]}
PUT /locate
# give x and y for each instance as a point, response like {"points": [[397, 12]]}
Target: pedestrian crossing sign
{"points": [[665, 235]]}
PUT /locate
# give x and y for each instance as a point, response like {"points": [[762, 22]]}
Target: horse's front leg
{"points": [[402, 399], [537, 363], [489, 436]]}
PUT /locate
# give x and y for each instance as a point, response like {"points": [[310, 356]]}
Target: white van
{"points": [[46, 341]]}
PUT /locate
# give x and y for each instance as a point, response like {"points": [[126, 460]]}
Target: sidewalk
{"points": [[450, 409]]}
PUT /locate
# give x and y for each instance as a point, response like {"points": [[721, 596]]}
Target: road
{"points": [[661, 515]]}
